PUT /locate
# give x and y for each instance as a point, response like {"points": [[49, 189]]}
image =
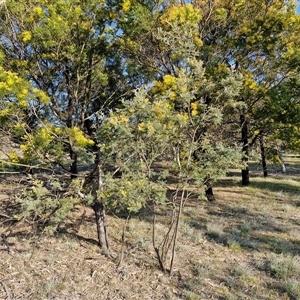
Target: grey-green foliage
{"points": [[47, 204], [167, 122], [283, 267]]}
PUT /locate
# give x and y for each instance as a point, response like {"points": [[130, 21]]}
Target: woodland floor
{"points": [[245, 245]]}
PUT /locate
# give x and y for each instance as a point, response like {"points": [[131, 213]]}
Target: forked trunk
{"points": [[263, 156], [245, 149], [99, 210]]}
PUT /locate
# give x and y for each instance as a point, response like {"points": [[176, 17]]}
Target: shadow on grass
{"points": [[250, 231], [277, 183], [227, 182], [276, 186], [79, 237]]}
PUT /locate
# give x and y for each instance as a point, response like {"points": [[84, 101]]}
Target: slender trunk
{"points": [[176, 230], [99, 209], [281, 155], [207, 181], [245, 149], [156, 248], [73, 168], [94, 182], [263, 155]]}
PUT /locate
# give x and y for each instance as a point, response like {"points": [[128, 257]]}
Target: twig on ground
{"points": [[5, 216], [6, 290]]}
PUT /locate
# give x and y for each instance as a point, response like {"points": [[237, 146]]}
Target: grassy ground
{"points": [[246, 245]]}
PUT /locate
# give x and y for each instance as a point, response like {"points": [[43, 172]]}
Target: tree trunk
{"points": [[209, 191], [99, 210], [95, 180], [207, 180], [281, 156], [73, 168], [245, 149], [263, 155]]}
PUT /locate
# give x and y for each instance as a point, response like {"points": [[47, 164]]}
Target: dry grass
{"points": [[245, 245]]}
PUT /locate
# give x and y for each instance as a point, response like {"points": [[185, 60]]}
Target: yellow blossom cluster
{"points": [[126, 4], [182, 118], [78, 137], [251, 84], [41, 95], [26, 36], [117, 120], [183, 14], [146, 127], [195, 106], [38, 10], [169, 83], [41, 139], [13, 157], [161, 109], [11, 84], [4, 112]]}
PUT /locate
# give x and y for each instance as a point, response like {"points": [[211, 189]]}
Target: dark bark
{"points": [[209, 191], [99, 210], [73, 168], [263, 155], [209, 194], [245, 149]]}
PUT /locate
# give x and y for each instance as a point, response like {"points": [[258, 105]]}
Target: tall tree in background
{"points": [[279, 131], [258, 39]]}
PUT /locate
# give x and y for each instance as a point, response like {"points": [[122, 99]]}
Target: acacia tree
{"points": [[151, 49], [183, 59], [16, 94], [64, 49], [50, 62], [166, 122]]}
